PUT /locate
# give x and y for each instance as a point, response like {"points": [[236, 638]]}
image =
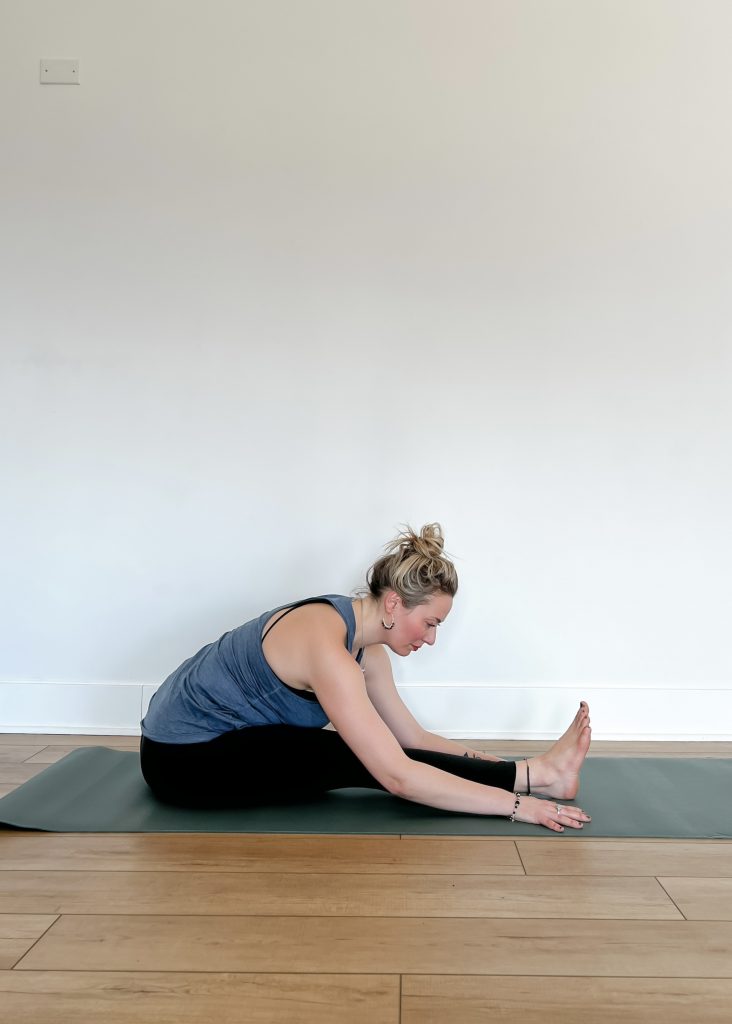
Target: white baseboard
{"points": [[106, 709], [465, 710], [543, 711]]}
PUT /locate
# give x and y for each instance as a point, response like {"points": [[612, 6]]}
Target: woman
{"points": [[241, 722]]}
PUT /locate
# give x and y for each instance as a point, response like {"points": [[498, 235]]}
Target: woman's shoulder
{"points": [[320, 602], [324, 613]]}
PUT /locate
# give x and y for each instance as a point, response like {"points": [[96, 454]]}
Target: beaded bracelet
{"points": [[512, 817]]}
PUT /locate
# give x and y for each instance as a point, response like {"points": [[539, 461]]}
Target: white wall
{"points": [[277, 276]]}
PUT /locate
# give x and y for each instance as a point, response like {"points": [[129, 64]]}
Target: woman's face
{"points": [[414, 627]]}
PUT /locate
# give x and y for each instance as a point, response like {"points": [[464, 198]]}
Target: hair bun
{"points": [[414, 566], [430, 541]]}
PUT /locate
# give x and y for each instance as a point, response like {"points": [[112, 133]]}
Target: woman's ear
{"points": [[391, 601]]}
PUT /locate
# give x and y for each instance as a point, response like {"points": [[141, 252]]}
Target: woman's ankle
{"points": [[524, 777]]}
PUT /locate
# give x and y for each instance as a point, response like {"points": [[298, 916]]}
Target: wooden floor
{"points": [[319, 929]]}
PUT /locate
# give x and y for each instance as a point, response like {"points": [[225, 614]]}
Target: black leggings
{"points": [[281, 764]]}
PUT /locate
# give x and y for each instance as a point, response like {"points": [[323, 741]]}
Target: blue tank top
{"points": [[229, 685]]}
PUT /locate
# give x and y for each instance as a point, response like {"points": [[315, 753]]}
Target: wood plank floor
{"points": [[385, 930]]}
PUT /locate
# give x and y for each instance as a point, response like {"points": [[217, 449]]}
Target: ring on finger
{"points": [[560, 809]]}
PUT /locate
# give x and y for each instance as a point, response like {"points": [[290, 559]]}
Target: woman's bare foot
{"points": [[556, 773]]}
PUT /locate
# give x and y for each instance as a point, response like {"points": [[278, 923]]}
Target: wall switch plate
{"points": [[60, 72]]}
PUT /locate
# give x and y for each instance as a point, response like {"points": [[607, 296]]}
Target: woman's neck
{"points": [[369, 628]]}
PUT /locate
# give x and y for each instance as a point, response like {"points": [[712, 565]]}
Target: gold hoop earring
{"points": [[393, 621]]}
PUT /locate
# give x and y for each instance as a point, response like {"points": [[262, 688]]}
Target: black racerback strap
{"points": [[299, 604]]}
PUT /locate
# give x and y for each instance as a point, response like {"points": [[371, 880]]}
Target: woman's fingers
{"points": [[576, 812], [551, 814], [574, 816]]}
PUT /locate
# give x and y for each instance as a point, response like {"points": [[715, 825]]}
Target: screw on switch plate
{"points": [[59, 72]]}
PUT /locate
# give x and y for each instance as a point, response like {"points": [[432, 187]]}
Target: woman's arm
{"points": [[339, 686], [392, 709], [431, 741]]}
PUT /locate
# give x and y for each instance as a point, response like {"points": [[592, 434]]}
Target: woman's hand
{"points": [[481, 755], [550, 814]]}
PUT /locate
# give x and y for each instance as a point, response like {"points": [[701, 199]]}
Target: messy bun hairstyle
{"points": [[414, 567]]}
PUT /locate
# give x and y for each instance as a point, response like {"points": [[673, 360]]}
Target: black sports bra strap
{"points": [[299, 604]]}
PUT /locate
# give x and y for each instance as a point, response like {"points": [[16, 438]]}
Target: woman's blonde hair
{"points": [[414, 567]]}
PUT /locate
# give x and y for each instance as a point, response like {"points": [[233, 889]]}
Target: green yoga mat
{"points": [[95, 789]]}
